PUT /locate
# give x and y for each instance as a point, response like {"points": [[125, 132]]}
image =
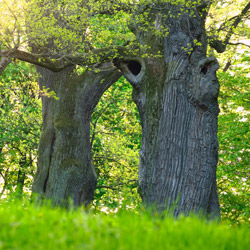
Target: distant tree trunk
{"points": [[177, 99], [65, 168], [21, 175]]}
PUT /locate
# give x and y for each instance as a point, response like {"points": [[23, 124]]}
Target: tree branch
{"points": [[239, 43], [236, 22], [58, 64], [219, 45], [227, 66]]}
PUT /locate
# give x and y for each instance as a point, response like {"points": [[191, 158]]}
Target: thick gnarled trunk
{"points": [[177, 99], [65, 168]]}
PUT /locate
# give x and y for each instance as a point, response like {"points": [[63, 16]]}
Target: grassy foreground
{"points": [[29, 227]]}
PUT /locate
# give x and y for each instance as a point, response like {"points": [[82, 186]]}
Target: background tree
{"points": [[20, 123]]}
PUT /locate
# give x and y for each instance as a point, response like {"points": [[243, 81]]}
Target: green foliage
{"points": [[116, 135], [234, 138], [32, 227], [223, 23], [57, 28], [12, 23], [110, 30], [20, 123]]}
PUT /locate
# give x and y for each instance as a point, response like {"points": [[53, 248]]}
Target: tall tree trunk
{"points": [[65, 168], [177, 99]]}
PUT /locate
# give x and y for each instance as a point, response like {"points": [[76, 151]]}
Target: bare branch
{"points": [[239, 43]]}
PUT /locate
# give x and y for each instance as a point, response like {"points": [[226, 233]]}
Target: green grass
{"points": [[32, 227]]}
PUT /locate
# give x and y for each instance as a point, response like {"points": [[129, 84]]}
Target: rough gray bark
{"points": [[177, 99], [65, 168]]}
